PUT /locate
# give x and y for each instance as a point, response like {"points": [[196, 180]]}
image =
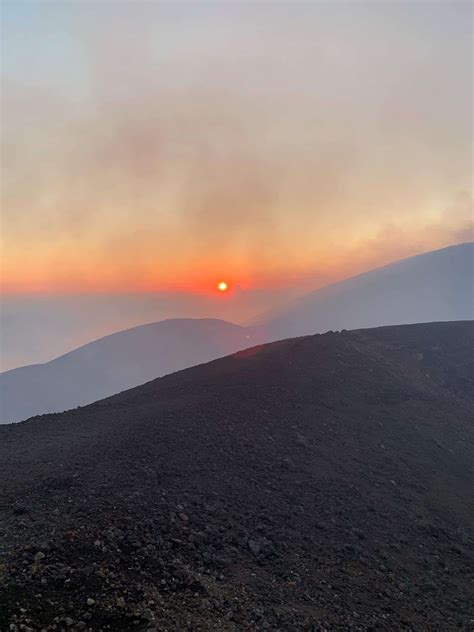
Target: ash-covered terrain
{"points": [[318, 483]]}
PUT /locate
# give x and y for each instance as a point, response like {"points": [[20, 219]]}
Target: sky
{"points": [[160, 147], [156, 146]]}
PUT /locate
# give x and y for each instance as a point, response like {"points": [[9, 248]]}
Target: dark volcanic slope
{"points": [[320, 483]]}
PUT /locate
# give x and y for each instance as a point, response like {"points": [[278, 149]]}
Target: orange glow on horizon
{"points": [[32, 274]]}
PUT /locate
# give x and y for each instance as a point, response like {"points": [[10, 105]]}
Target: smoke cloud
{"points": [[181, 143]]}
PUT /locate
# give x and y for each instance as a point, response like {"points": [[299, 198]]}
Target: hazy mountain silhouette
{"points": [[116, 362], [317, 483], [434, 286]]}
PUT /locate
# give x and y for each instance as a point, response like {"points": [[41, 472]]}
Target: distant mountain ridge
{"points": [[434, 286], [115, 363]]}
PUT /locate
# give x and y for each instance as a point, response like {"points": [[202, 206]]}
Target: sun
{"points": [[222, 286]]}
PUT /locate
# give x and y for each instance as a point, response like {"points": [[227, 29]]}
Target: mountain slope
{"points": [[431, 287], [317, 483], [434, 286], [114, 363]]}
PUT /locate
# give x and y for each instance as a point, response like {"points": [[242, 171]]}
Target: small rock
{"points": [[148, 615], [287, 464], [254, 546], [90, 601], [301, 440], [39, 556]]}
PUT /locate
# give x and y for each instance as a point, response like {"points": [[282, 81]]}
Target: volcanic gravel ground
{"points": [[318, 483]]}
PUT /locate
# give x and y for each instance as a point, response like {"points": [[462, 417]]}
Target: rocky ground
{"points": [[319, 483]]}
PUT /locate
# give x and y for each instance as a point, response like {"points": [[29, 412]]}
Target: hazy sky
{"points": [[163, 146]]}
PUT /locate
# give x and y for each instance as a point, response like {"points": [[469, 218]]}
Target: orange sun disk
{"points": [[222, 286]]}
